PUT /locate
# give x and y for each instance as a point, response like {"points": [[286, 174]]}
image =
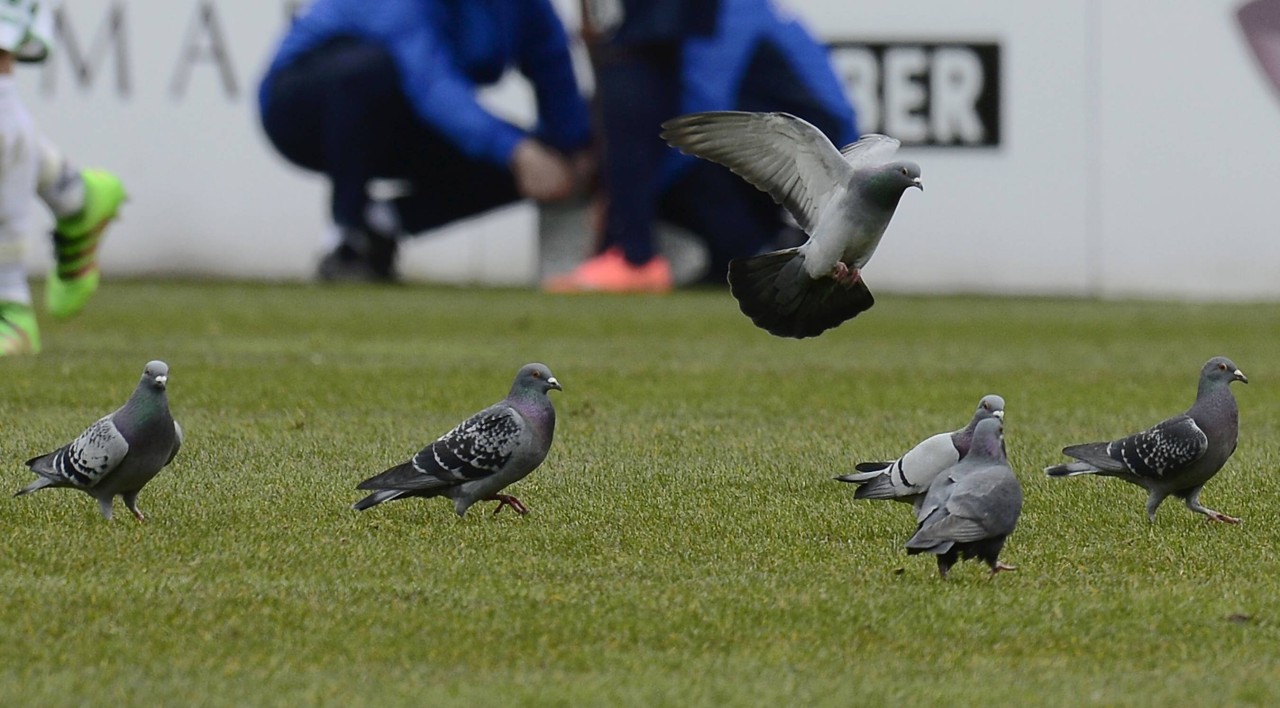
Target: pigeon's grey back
{"points": [[976, 499]]}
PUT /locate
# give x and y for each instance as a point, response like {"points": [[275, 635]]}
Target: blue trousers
{"points": [[637, 89], [339, 111]]}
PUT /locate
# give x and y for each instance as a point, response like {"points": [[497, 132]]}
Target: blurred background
{"points": [[1079, 147]]}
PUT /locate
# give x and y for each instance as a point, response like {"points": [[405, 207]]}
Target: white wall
{"points": [[1138, 153]]}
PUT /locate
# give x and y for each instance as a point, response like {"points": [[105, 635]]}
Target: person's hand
{"points": [[584, 165], [541, 173]]}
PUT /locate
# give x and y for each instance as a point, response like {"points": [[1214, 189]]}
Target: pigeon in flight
{"points": [[843, 199]]}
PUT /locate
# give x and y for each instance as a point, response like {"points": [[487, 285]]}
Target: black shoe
{"points": [[361, 258]]}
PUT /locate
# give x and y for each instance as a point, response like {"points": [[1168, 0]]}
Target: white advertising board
{"points": [[1080, 147]]}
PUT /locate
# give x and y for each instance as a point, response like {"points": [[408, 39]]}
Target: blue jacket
{"points": [[715, 67], [445, 49]]}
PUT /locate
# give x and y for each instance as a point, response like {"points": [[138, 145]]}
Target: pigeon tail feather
{"points": [[878, 487], [403, 477], [774, 290], [1096, 454], [928, 545], [35, 486], [1071, 469], [377, 498], [857, 477]]}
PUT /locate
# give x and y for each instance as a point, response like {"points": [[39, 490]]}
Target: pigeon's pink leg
{"points": [[1002, 566], [508, 500], [131, 501], [845, 275], [1219, 516]]}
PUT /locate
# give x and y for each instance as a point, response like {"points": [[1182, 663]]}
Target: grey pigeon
{"points": [[482, 455], [1178, 455], [121, 452], [843, 199], [972, 506], [907, 478]]}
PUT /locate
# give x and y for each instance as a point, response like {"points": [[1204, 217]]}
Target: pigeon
{"points": [[907, 478], [121, 452], [482, 455], [1176, 456], [843, 199], [972, 506]]}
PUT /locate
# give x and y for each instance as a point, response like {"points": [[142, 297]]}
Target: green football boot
{"points": [[75, 244], [19, 333]]}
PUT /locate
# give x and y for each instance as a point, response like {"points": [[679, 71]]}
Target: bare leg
{"points": [[1193, 503], [104, 505], [998, 567], [131, 501], [508, 500], [1153, 502], [945, 561]]}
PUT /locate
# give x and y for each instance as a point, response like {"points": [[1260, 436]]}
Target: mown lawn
{"points": [[686, 545]]}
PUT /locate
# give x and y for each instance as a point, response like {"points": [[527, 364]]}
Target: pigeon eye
{"points": [[1222, 367], [537, 374], [904, 171]]}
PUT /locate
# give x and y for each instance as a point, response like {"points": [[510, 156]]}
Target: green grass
{"points": [[686, 543]]}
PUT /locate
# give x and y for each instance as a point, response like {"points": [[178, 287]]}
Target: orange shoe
{"points": [[610, 272]]}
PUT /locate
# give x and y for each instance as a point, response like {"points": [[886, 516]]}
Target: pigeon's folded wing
{"points": [[87, 459], [1168, 446]]}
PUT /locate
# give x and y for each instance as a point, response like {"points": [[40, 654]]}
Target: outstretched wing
{"points": [[86, 460], [778, 153], [871, 150]]}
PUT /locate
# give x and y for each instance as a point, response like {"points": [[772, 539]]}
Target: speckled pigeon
{"points": [[907, 478], [482, 455], [843, 199], [972, 506], [1178, 455], [121, 452]]}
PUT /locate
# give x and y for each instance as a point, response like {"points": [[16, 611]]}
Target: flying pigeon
{"points": [[907, 478], [482, 455], [121, 452], [843, 199], [972, 506], [1178, 455]]}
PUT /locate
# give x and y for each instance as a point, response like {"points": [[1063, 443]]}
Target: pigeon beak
{"points": [[162, 381], [917, 184], [1238, 375], [998, 414], [551, 382]]}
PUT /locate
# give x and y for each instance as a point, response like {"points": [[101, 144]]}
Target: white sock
{"points": [[58, 182], [383, 218]]}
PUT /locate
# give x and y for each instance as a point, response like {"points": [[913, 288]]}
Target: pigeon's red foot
{"points": [[508, 500], [1219, 516], [845, 275]]}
